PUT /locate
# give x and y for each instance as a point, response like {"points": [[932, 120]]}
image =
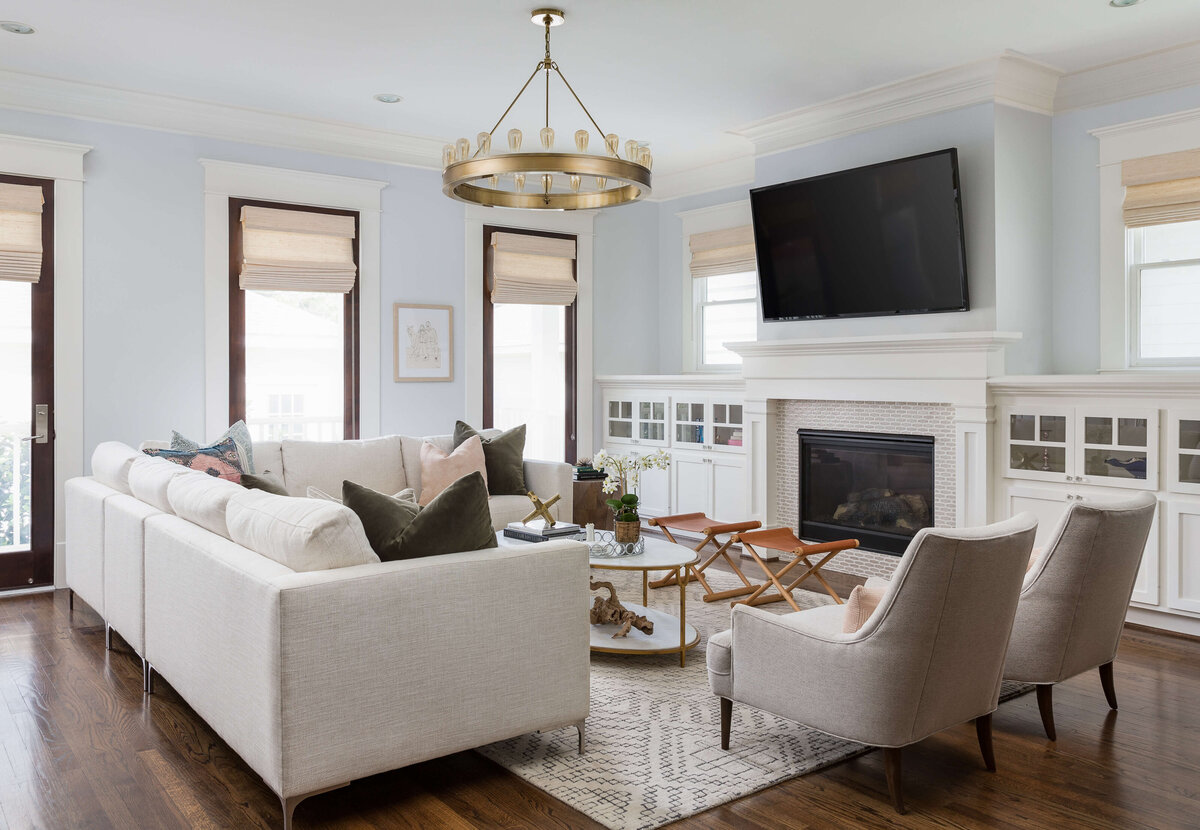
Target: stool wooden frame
{"points": [[698, 522], [782, 539]]}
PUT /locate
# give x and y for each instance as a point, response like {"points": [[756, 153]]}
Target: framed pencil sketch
{"points": [[422, 342]]}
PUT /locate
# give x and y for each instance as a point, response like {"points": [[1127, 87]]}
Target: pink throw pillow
{"points": [[439, 470], [862, 603]]}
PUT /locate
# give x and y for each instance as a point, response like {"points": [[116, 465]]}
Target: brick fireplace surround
{"points": [[910, 384]]}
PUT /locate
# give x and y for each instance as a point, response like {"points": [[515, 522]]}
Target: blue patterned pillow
{"points": [[240, 435], [220, 460]]}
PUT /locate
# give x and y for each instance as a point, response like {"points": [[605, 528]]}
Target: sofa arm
{"points": [[390, 664], [545, 478]]}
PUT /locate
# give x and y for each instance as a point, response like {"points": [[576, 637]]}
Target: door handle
{"points": [[41, 424]]}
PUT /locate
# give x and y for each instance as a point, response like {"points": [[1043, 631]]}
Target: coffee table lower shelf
{"points": [[664, 640]]}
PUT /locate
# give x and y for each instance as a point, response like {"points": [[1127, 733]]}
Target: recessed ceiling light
{"points": [[16, 28], [388, 98], [1120, 4]]}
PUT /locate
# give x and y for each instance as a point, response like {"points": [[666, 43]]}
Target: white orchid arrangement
{"points": [[623, 472]]}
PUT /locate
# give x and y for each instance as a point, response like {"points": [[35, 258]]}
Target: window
{"points": [[293, 320], [529, 339], [724, 294], [1164, 284]]}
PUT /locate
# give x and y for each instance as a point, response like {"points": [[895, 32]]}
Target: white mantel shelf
{"points": [[724, 381], [965, 341]]}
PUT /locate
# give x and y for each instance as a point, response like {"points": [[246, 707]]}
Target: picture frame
{"points": [[422, 343]]}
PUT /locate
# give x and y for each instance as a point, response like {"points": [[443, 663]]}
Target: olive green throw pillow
{"points": [[504, 458], [458, 519], [266, 481]]}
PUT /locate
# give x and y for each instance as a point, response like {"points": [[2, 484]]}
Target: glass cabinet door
{"points": [[690, 422], [727, 426], [1119, 449], [1039, 444], [1183, 452], [652, 422], [619, 420]]}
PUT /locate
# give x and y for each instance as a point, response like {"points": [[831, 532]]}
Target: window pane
{"points": [[727, 324], [16, 406], [742, 286], [1169, 326], [1169, 243], [529, 378], [295, 365]]}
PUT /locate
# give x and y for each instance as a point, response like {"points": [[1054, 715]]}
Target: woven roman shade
{"points": [[295, 250], [1161, 189], [20, 232], [729, 251], [533, 270]]}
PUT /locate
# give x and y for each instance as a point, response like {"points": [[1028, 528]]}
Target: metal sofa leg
{"points": [[107, 637], [289, 803], [147, 677], [70, 599], [581, 727]]}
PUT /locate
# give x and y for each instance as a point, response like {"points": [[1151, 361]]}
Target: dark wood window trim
{"points": [[35, 567], [570, 356], [237, 318]]}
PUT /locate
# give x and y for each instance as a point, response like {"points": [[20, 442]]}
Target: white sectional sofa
{"points": [[319, 677]]}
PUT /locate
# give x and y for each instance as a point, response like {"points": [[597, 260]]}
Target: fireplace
{"points": [[868, 486]]}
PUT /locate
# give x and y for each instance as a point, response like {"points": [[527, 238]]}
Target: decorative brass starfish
{"points": [[542, 509]]}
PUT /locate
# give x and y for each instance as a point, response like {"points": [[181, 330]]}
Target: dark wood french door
{"points": [[27, 546]]}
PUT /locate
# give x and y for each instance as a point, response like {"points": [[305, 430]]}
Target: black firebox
{"points": [[868, 486]]}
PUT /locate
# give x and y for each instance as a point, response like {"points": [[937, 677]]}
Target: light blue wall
{"points": [[1076, 286], [625, 313]]}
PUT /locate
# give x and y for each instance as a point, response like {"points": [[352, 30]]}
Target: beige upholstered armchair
{"points": [[930, 656], [1075, 597]]}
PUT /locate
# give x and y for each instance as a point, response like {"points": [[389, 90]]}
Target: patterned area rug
{"points": [[653, 735]]}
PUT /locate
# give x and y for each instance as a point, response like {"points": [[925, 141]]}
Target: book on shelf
{"points": [[526, 535], [539, 527]]}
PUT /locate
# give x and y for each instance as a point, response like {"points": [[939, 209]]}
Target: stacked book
{"points": [[538, 531], [586, 472]]}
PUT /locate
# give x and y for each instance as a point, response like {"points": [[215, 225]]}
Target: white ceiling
{"points": [[678, 74]]}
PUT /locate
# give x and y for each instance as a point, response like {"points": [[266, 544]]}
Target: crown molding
{"points": [[1010, 79], [1147, 74], [732, 171], [55, 96]]}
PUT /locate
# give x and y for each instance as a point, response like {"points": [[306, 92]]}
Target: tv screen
{"points": [[878, 240]]}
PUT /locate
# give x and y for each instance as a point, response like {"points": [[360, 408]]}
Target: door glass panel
{"points": [[730, 436], [1131, 432], [719, 413], [681, 412], [644, 410], [698, 412], [651, 431], [614, 409], [1053, 428], [1118, 464], [735, 414], [1097, 430], [1021, 427], [295, 365], [660, 411], [529, 373], [16, 408], [1189, 469], [626, 409], [620, 429], [1043, 459], [1189, 435], [689, 433]]}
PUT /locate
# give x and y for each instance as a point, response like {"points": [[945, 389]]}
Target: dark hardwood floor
{"points": [[81, 747]]}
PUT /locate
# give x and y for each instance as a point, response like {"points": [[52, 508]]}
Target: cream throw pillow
{"points": [[302, 534], [862, 603], [407, 494], [439, 470]]}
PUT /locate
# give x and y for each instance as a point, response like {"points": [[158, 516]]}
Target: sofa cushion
{"points": [[302, 534], [377, 463], [505, 456], [220, 460], [407, 494], [238, 432], [111, 461], [861, 605], [202, 500], [266, 481], [149, 478], [456, 520], [440, 469], [507, 509], [268, 458], [384, 518]]}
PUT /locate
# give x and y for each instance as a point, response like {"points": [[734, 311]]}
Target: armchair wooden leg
{"points": [[1045, 699], [1106, 680], [726, 718], [983, 729], [891, 764]]}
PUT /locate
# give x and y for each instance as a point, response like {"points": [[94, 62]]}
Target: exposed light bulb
{"points": [[447, 155], [484, 141], [612, 143], [462, 149], [581, 140], [514, 140], [546, 135]]}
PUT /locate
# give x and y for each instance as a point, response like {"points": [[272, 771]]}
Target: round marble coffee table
{"points": [[671, 634]]}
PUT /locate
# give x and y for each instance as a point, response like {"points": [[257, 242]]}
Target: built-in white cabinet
{"points": [[709, 483], [1183, 451], [1096, 445], [707, 423], [636, 419], [1183, 555]]}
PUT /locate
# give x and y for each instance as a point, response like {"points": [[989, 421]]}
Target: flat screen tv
{"points": [[879, 240]]}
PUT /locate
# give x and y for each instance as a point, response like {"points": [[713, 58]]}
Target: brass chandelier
{"points": [[546, 180]]}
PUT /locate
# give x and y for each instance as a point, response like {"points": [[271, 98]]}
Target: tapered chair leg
{"points": [[1045, 699], [892, 767], [726, 719], [983, 729], [1106, 680]]}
